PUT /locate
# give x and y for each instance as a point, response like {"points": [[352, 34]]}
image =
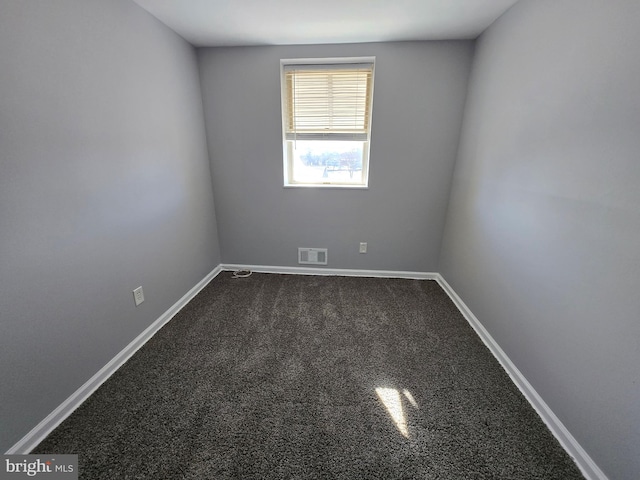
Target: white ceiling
{"points": [[289, 22]]}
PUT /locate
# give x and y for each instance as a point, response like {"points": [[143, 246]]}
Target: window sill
{"points": [[327, 186]]}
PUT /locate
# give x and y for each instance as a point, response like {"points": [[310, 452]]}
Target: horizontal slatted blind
{"points": [[328, 101]]}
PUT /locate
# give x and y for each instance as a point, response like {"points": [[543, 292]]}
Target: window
{"points": [[326, 121]]}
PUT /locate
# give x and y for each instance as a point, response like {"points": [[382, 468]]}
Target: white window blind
{"points": [[328, 102]]}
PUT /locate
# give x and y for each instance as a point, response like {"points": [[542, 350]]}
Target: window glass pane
{"points": [[323, 161]]}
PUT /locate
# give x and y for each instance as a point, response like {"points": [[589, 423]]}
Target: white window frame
{"points": [[287, 153]]}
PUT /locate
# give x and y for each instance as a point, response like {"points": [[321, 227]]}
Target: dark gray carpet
{"points": [[275, 377]]}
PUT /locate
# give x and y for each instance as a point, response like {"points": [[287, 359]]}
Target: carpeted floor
{"points": [[283, 376]]}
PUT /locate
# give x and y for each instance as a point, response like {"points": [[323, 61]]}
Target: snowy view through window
{"points": [[317, 161]]}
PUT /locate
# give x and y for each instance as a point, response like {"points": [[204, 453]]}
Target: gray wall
{"points": [[542, 238], [417, 112], [104, 186]]}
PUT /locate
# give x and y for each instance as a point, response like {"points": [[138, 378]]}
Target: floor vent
{"points": [[312, 256]]}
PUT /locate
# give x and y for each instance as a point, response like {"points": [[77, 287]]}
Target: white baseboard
{"points": [[66, 408], [582, 459], [342, 272]]}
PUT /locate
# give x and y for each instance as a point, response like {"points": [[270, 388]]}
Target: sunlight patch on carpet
{"points": [[392, 401]]}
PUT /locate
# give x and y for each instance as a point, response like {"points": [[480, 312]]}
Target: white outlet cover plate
{"points": [[138, 296]]}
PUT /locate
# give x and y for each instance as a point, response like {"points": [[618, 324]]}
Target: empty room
{"points": [[342, 240]]}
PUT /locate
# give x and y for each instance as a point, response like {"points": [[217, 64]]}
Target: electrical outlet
{"points": [[138, 296], [363, 247]]}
